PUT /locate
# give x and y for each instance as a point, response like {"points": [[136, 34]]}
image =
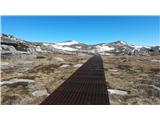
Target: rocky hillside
{"points": [[11, 45], [30, 71]]}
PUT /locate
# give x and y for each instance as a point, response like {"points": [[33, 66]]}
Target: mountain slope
{"points": [[13, 45]]}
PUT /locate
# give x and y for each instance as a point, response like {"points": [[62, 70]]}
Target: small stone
{"points": [[117, 92], [155, 61], [112, 70], [5, 65], [39, 93], [78, 65], [64, 66]]}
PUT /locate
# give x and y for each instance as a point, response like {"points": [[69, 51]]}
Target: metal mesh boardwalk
{"points": [[87, 86]]}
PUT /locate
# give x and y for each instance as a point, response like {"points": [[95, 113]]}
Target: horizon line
{"points": [[42, 41]]}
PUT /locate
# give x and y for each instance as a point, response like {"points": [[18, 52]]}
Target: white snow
{"points": [[15, 80], [45, 44], [148, 47], [78, 47], [63, 48], [137, 47], [104, 48], [68, 43], [117, 92], [124, 43], [60, 46]]}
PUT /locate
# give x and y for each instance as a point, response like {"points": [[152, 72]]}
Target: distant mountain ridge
{"points": [[11, 45]]}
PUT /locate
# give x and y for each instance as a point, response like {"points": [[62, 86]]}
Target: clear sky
{"points": [[139, 30]]}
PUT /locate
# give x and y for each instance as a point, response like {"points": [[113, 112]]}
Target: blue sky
{"points": [[139, 30]]}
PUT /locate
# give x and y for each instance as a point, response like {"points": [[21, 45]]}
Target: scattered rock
{"points": [[155, 61], [112, 70], [8, 48], [117, 92], [5, 65], [64, 66], [23, 69], [115, 74], [155, 87], [16, 81], [39, 93], [37, 89], [38, 49], [78, 65], [9, 53]]}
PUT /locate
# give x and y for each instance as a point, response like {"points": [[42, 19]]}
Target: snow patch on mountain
{"points": [[122, 42], [137, 47], [63, 48], [118, 43], [104, 48], [78, 47], [11, 47], [68, 43], [45, 44]]}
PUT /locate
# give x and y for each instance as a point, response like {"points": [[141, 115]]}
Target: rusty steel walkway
{"points": [[87, 86]]}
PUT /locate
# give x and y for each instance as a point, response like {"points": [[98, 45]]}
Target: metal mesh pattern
{"points": [[87, 86]]}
